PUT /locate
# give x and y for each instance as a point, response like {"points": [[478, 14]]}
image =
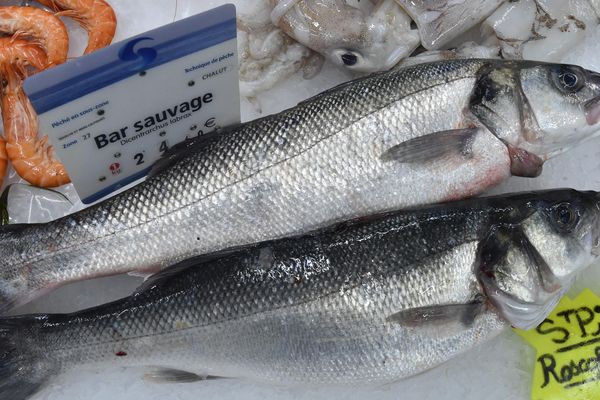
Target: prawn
{"points": [[3, 160], [44, 28], [96, 16], [20, 52], [32, 159]]}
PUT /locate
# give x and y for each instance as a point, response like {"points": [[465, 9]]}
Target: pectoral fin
{"points": [[440, 319], [167, 375], [433, 147]]}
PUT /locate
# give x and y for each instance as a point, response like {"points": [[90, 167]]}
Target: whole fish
{"points": [[423, 134], [361, 302]]}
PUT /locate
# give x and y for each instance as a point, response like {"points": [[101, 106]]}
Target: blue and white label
{"points": [[111, 114]]}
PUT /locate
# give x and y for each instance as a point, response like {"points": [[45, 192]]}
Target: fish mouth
{"points": [[592, 111]]}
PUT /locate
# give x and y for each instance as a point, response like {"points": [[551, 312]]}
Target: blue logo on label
{"points": [[145, 54]]}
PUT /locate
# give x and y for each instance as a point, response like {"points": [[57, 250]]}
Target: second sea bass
{"points": [[426, 133], [361, 303]]}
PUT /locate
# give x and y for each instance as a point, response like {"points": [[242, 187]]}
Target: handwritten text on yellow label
{"points": [[568, 350]]}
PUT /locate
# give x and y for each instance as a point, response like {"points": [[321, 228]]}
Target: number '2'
{"points": [[139, 158]]}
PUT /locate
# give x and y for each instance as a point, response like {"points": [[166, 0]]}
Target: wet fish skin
{"points": [[358, 149], [344, 305]]}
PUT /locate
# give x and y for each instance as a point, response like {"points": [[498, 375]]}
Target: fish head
{"points": [[528, 265], [540, 109], [565, 231]]}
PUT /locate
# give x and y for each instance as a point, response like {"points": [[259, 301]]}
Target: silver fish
{"points": [[362, 302], [427, 133]]}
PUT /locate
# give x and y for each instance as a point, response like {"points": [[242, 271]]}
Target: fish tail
{"points": [[23, 370]]}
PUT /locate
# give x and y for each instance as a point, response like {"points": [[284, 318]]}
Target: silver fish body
{"points": [[362, 302], [397, 139]]}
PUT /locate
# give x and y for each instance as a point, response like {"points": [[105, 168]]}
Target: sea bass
{"points": [[361, 302], [426, 133]]}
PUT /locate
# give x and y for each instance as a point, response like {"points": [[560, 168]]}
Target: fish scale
{"points": [[302, 169], [323, 308], [101, 240]]}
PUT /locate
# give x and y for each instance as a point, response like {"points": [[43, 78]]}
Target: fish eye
{"points": [[349, 59], [565, 216], [569, 80]]}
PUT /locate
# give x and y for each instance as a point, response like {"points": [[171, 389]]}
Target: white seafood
{"points": [[543, 30], [440, 21], [465, 50], [587, 52], [267, 55], [361, 36], [596, 6]]}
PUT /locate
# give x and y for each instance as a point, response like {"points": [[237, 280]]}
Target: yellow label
{"points": [[568, 350]]}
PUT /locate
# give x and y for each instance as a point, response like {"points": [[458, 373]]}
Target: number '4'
{"points": [[163, 146]]}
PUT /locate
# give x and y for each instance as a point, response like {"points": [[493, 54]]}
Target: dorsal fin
{"points": [[163, 277], [187, 147]]}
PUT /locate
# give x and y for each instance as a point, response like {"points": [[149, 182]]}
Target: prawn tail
{"points": [[103, 26], [74, 15], [24, 35], [3, 160], [18, 35]]}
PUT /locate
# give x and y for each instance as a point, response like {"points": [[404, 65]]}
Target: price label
{"points": [[567, 363], [111, 114]]}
